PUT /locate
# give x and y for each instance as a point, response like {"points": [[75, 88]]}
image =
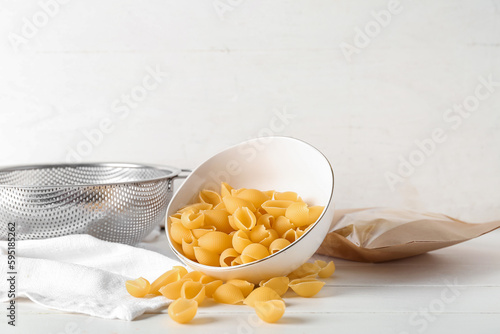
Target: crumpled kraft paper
{"points": [[384, 234]]}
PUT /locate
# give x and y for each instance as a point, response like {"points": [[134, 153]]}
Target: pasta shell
{"points": [[327, 269], [237, 261], [178, 232], [244, 219], [240, 241], [206, 257], [183, 310], [306, 287], [228, 294], [233, 203], [278, 245], [168, 277], [266, 219], [197, 207], [278, 284], [175, 219], [220, 206], [235, 192], [270, 193], [275, 207], [282, 224], [218, 219], [192, 220], [199, 232], [205, 279], [138, 288], [270, 311], [210, 197], [261, 294], [304, 270], [287, 196], [290, 235], [314, 213], [256, 197], [245, 286], [228, 256], [182, 271], [173, 290], [225, 189], [254, 252], [211, 287], [298, 214], [258, 233], [188, 248], [273, 235], [195, 276], [194, 291], [215, 241]]}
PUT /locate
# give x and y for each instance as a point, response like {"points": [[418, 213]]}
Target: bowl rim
{"points": [[172, 173], [245, 265]]}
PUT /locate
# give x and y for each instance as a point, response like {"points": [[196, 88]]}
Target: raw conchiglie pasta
{"points": [[244, 219], [195, 276], [304, 270], [245, 286], [197, 207], [273, 235], [287, 196], [237, 261], [282, 224], [225, 189], [254, 252], [278, 284], [206, 257], [199, 232], [178, 232], [233, 203], [220, 206], [188, 248], [327, 269], [314, 213], [192, 220], [182, 271], [218, 219], [240, 241], [211, 287], [215, 241], [175, 219], [267, 220], [261, 294], [278, 245], [138, 287], [228, 256], [299, 233], [306, 287], [228, 294], [298, 214], [254, 196], [276, 208], [170, 276], [270, 193], [183, 310], [270, 311], [173, 290], [290, 235], [194, 291], [210, 197], [258, 233]]}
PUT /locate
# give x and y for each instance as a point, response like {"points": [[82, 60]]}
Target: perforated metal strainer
{"points": [[111, 201]]}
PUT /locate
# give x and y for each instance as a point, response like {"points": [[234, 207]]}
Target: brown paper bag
{"points": [[383, 234]]}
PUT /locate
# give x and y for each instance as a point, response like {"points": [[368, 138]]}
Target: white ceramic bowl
{"points": [[269, 163]]}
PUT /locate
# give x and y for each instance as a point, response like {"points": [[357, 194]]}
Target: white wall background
{"points": [[62, 74]]}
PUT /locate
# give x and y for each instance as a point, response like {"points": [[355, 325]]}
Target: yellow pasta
{"points": [[173, 290], [314, 213], [210, 197], [220, 206], [287, 196], [290, 235], [278, 245], [228, 256], [194, 291], [183, 310], [211, 287], [197, 207], [215, 241], [306, 287], [228, 294], [261, 294], [259, 233], [206, 257], [178, 232], [270, 311], [275, 207], [205, 279], [188, 248], [192, 220], [254, 196], [267, 220], [282, 224], [195, 276], [254, 252], [240, 241], [169, 276], [278, 284], [326, 269], [244, 219], [218, 219], [225, 189], [307, 269], [138, 287], [233, 203], [298, 214], [182, 271], [245, 286], [199, 232], [273, 235], [237, 261]]}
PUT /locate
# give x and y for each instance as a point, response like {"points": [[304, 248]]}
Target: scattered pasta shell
{"points": [[278, 245], [206, 257], [245, 286], [244, 219], [195, 276], [182, 271], [270, 311], [278, 284], [298, 214], [168, 277], [194, 291], [228, 256], [218, 219], [215, 241], [233, 203], [287, 196], [327, 269], [205, 279], [276, 208], [211, 287], [210, 197], [261, 294], [138, 287], [173, 290], [240, 241], [183, 310], [178, 232], [254, 196], [307, 269], [306, 287], [254, 252], [282, 224], [192, 220], [228, 294]]}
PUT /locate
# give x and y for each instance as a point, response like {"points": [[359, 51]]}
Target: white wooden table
{"points": [[454, 290]]}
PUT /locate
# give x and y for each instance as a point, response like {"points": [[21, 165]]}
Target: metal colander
{"points": [[114, 202]]}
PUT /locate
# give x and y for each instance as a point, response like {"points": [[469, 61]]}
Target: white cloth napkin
{"points": [[79, 273]]}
